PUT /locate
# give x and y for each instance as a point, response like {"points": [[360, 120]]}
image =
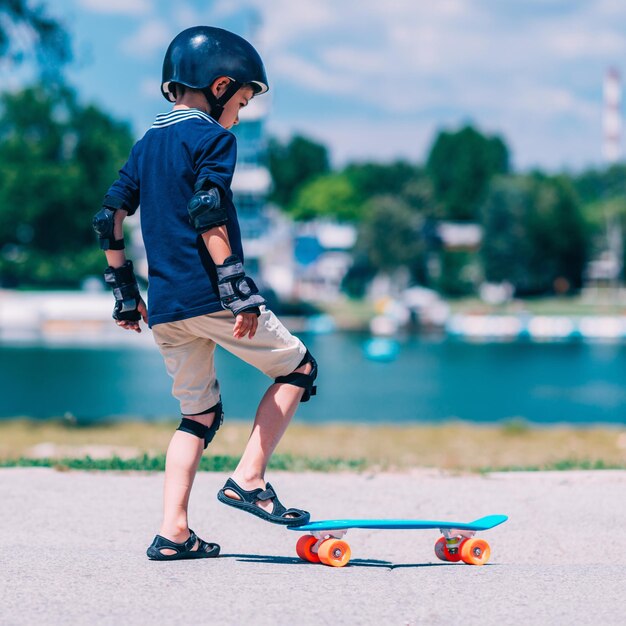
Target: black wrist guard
{"points": [[126, 292], [237, 291]]}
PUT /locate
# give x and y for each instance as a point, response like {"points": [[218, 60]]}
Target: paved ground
{"points": [[72, 552]]}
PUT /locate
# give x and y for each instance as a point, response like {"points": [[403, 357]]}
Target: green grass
{"points": [[563, 465], [219, 463], [284, 462]]}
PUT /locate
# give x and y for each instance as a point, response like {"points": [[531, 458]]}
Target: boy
{"points": [[180, 173]]}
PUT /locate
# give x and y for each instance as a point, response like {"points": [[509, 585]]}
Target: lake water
{"points": [[430, 381]]}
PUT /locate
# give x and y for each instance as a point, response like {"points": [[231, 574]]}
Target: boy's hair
{"points": [[178, 90]]}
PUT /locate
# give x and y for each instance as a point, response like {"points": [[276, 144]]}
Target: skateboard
{"points": [[325, 544]]}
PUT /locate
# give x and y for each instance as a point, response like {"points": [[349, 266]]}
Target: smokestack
{"points": [[612, 119]]}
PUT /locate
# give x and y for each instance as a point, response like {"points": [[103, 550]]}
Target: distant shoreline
{"points": [[84, 318]]}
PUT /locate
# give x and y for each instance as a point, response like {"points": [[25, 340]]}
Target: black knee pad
{"points": [[200, 430], [305, 381]]}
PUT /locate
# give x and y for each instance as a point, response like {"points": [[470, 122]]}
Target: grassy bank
{"points": [[451, 446], [356, 314], [602, 302]]}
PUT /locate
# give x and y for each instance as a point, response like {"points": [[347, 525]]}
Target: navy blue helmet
{"points": [[199, 55]]}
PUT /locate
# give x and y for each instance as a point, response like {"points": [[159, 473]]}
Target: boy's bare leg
{"points": [[181, 465], [275, 411]]}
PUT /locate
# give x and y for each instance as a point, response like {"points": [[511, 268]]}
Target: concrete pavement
{"points": [[72, 551]]}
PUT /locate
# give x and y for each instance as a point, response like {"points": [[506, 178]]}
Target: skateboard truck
{"points": [[454, 537], [323, 535]]}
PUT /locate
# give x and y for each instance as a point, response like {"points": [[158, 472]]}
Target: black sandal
{"points": [[249, 501], [183, 550]]}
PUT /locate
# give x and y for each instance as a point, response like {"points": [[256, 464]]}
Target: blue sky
{"points": [[376, 79]]}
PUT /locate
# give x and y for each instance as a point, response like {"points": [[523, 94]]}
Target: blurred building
{"points": [[252, 182], [606, 269], [296, 262], [322, 251], [460, 235]]}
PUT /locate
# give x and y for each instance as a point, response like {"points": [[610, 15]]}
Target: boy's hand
{"points": [[127, 325], [245, 324]]}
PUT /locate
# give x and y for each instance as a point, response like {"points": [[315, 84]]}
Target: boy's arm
{"points": [[237, 292], [218, 245], [122, 199], [129, 305], [117, 258], [217, 157]]}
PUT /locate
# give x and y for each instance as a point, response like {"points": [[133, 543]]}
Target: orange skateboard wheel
{"points": [[304, 548], [475, 551], [334, 552], [440, 549]]}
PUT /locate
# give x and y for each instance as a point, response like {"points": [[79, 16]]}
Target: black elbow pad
{"points": [[205, 209], [104, 221]]}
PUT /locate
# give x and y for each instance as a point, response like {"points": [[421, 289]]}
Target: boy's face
{"points": [[230, 114]]}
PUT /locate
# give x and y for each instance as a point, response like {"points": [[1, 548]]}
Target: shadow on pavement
{"points": [[287, 560]]}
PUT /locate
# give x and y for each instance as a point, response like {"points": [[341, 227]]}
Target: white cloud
{"points": [[121, 7], [185, 16], [151, 38], [531, 71], [286, 21], [354, 60], [576, 45], [361, 139], [610, 8], [154, 35], [310, 75], [371, 47], [533, 142], [547, 101], [223, 8], [408, 56]]}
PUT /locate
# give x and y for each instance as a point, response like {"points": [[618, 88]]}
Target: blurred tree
{"points": [[358, 276], [460, 272], [419, 194], [376, 179], [57, 159], [28, 33], [534, 234], [558, 231], [293, 164], [400, 179], [389, 236], [346, 195], [593, 185], [331, 196], [461, 164], [507, 247]]}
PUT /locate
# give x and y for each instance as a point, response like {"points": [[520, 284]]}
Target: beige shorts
{"points": [[188, 347]]}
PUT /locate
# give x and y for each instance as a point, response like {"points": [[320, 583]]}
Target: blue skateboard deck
{"points": [[484, 523], [325, 544]]}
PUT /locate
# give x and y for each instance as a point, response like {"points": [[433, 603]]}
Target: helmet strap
{"points": [[217, 104]]}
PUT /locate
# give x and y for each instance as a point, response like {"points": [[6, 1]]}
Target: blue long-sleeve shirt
{"points": [[180, 148]]}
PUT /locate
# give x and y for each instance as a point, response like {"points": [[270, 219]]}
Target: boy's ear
{"points": [[220, 85]]}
